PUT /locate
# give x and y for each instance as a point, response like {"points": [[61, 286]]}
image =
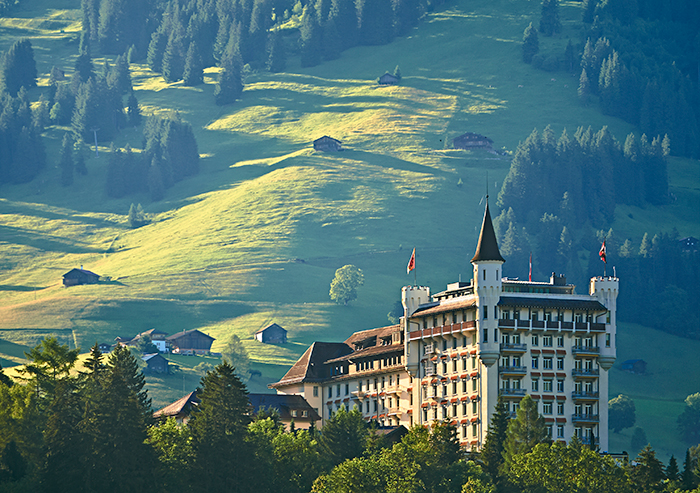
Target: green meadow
{"points": [[256, 236]]}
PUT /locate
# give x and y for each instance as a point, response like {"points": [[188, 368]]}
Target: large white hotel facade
{"points": [[456, 351]]}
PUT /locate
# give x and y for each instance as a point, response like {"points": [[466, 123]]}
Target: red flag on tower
{"points": [[603, 253], [411, 263]]}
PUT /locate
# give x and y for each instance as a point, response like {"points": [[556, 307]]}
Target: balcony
{"points": [[585, 372], [513, 348], [584, 418], [588, 440], [512, 323], [512, 370], [512, 392], [585, 396], [586, 350]]}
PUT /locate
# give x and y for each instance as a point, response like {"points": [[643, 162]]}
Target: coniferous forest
{"points": [[94, 430]]}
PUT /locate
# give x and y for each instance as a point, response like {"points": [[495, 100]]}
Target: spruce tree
{"points": [[66, 161], [331, 42], [156, 184], [276, 56], [344, 14], [83, 67], [194, 71], [531, 43], [79, 153], [672, 471], [525, 431], [119, 77], [173, 58], [310, 39], [133, 112], [229, 86], [156, 49], [549, 21], [19, 67], [492, 452], [584, 88]]}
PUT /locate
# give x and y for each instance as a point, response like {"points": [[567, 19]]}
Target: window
{"points": [[475, 430], [546, 408], [315, 390], [547, 341], [473, 362], [607, 340], [577, 364], [560, 386], [560, 431], [376, 404], [484, 271], [546, 385], [549, 431], [337, 390], [504, 362], [547, 363], [505, 338], [294, 413], [534, 316], [535, 362], [366, 406], [505, 314], [535, 384], [444, 344], [475, 407], [444, 367], [560, 363], [410, 398], [464, 385], [560, 341], [485, 312], [516, 314], [486, 335], [454, 340], [454, 410], [495, 312], [464, 341], [548, 316], [516, 338], [473, 384], [535, 340], [560, 408], [425, 414], [464, 409], [516, 361], [454, 387], [347, 389], [444, 390], [330, 392], [464, 363]]}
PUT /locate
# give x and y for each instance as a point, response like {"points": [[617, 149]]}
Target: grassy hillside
{"points": [[258, 234]]}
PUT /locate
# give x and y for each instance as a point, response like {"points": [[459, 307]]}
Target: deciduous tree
{"points": [[345, 283]]}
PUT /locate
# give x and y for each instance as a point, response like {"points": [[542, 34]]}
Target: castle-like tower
{"points": [[455, 352]]}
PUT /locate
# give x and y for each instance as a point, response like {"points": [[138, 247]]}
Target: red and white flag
{"points": [[411, 263], [603, 253]]}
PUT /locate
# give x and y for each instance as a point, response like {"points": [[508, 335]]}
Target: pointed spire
{"points": [[487, 249]]}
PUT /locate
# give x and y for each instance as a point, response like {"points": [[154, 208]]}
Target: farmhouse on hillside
{"points": [[327, 144], [455, 352], [637, 366], [155, 363], [181, 409], [190, 342], [272, 334], [76, 277], [471, 140], [388, 79]]}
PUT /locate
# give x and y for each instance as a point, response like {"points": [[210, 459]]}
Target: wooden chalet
{"points": [[388, 79], [272, 334], [471, 140], [190, 342], [181, 409], [76, 277], [290, 407], [155, 363], [104, 347], [327, 144]]}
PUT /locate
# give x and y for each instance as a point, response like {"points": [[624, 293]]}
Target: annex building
{"points": [[455, 352]]}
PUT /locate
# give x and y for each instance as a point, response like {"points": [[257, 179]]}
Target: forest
{"points": [[94, 430]]}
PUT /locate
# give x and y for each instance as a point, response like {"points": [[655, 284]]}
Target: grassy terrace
{"points": [[257, 235]]}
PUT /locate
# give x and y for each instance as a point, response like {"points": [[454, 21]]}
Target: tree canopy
{"points": [[345, 283]]}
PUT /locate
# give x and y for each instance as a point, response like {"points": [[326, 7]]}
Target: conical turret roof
{"points": [[487, 249]]}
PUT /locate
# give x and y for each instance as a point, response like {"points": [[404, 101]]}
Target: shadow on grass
{"points": [[43, 241], [386, 161], [21, 288], [34, 210]]}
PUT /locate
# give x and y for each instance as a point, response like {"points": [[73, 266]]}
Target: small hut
{"points": [[272, 334], [388, 79], [155, 363], [470, 140], [327, 144], [76, 277]]}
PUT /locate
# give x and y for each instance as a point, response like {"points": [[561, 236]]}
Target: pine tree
{"points": [[84, 68], [549, 21], [584, 88], [119, 77], [310, 37], [492, 452], [66, 161], [133, 112], [344, 14], [330, 41], [531, 43], [648, 473], [375, 21], [672, 472], [156, 185], [193, 74], [569, 57], [276, 56], [156, 49], [18, 67], [173, 58], [229, 86], [218, 431], [525, 431], [688, 479], [589, 10], [79, 153]]}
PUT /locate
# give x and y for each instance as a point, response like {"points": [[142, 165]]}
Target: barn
{"points": [[470, 140], [272, 334], [76, 277], [388, 79], [155, 363], [190, 342], [327, 144]]}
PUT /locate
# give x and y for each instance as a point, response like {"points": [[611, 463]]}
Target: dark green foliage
{"points": [[218, 431], [22, 153], [672, 472], [174, 58], [492, 451], [4, 379], [136, 219], [193, 74], [276, 55], [525, 431], [375, 21], [406, 15], [688, 478], [234, 351], [229, 86], [343, 436], [330, 40], [145, 344], [621, 413], [18, 67], [638, 440], [647, 474], [589, 10], [689, 420], [84, 68], [344, 15], [156, 183], [549, 21], [172, 444], [133, 112], [66, 161], [156, 49], [584, 88], [311, 37], [531, 43], [394, 316], [50, 361], [13, 466], [121, 23], [119, 77]]}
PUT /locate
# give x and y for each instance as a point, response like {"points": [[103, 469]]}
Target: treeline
{"points": [[94, 431], [169, 155], [639, 59], [559, 199]]}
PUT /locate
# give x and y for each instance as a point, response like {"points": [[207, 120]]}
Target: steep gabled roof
{"points": [[178, 335], [284, 404], [487, 248], [310, 368], [271, 326], [180, 406], [75, 272]]}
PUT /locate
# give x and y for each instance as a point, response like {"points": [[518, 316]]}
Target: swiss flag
{"points": [[411, 263], [603, 253]]}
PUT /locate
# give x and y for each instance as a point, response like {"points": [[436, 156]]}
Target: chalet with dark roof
{"points": [[388, 79], [290, 408], [190, 342], [272, 334], [470, 140], [155, 363], [181, 409], [327, 144], [76, 277]]}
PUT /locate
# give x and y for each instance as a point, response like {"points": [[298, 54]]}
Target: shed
{"points": [[155, 363], [190, 342], [272, 334], [327, 144], [638, 366], [388, 79], [470, 140], [75, 277]]}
